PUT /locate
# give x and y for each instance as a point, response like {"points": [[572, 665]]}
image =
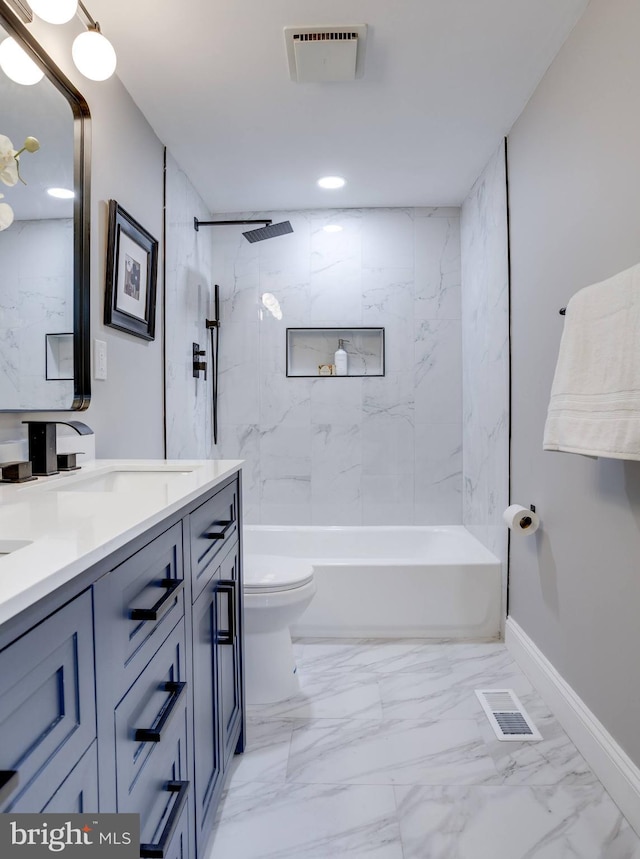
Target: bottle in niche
{"points": [[341, 359]]}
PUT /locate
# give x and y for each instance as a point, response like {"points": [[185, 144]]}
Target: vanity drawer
{"points": [[140, 602], [213, 529], [47, 704], [148, 720]]}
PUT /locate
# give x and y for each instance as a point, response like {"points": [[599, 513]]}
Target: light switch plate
{"points": [[99, 359]]}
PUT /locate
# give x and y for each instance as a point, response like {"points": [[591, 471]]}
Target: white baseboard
{"points": [[617, 772]]}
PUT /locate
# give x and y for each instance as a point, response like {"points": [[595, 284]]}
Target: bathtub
{"points": [[390, 582]]}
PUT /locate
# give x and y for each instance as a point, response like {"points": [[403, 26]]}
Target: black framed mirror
{"points": [[44, 254]]}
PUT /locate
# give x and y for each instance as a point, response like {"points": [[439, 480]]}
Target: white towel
{"points": [[595, 397]]}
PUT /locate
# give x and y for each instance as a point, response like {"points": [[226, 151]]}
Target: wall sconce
{"points": [[54, 11]]}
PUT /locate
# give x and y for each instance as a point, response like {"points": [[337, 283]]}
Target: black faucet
{"points": [[42, 443]]}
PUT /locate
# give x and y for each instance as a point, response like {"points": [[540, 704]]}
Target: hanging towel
{"points": [[595, 397]]}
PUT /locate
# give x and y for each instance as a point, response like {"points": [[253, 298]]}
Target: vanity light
{"points": [[94, 55], [54, 11], [331, 182], [61, 193], [17, 65], [332, 228]]}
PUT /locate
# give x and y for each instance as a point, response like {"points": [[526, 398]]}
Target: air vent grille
{"points": [[506, 715], [325, 54], [323, 37]]}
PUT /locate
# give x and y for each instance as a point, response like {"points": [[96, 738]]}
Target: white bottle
{"points": [[340, 359]]}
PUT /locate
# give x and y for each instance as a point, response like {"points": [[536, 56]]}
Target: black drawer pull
{"points": [[156, 611], [8, 783], [220, 535], [154, 735], [228, 586], [157, 851]]}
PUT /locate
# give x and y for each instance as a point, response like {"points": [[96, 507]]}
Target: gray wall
{"points": [[127, 165], [574, 169]]}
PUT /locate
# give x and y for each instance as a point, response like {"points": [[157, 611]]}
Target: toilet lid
{"points": [[275, 573]]}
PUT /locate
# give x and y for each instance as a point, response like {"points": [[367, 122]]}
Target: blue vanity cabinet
{"points": [[47, 707], [152, 761], [229, 654], [78, 793], [218, 698]]}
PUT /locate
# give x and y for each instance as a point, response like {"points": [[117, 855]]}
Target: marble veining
{"points": [[485, 349], [392, 268], [384, 752]]}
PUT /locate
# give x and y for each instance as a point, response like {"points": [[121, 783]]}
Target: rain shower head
{"points": [[268, 232]]}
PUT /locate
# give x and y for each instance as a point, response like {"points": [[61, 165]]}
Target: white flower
{"points": [[6, 215], [8, 162]]}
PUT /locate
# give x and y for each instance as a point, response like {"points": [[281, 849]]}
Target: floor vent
{"points": [[507, 716]]}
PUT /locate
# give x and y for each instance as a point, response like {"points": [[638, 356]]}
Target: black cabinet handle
{"points": [[220, 535], [157, 851], [154, 735], [156, 611], [8, 783], [228, 586]]}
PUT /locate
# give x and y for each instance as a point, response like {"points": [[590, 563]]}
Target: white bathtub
{"points": [[391, 582]]}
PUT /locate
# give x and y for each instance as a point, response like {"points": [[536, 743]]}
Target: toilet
{"points": [[276, 592]]}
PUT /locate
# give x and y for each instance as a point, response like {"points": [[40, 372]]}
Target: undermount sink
{"points": [[9, 546], [122, 480]]}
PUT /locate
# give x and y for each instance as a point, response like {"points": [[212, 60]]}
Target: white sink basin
{"points": [[9, 546], [122, 480]]}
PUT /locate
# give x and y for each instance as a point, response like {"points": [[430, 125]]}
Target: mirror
{"points": [[44, 253]]}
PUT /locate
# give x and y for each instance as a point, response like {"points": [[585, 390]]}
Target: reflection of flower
{"points": [[10, 172]]}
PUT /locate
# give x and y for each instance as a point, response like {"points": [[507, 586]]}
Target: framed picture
{"points": [[132, 272]]}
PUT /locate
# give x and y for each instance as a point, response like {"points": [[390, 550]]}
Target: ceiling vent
{"points": [[325, 54]]}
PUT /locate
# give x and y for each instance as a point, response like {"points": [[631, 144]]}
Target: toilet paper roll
{"points": [[521, 520]]}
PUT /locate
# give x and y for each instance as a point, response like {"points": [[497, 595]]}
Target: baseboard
{"points": [[617, 772]]}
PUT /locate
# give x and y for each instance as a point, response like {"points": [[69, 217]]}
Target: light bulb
{"points": [[94, 55], [18, 65], [332, 228], [54, 11]]}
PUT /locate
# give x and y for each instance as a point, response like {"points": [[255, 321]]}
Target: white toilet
{"points": [[276, 592]]}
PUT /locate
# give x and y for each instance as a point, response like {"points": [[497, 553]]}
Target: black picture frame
{"points": [[132, 274]]}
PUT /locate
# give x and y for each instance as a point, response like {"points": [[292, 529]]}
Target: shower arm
{"points": [[197, 224]]}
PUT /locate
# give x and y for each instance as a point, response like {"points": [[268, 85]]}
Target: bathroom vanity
{"points": [[121, 679]]}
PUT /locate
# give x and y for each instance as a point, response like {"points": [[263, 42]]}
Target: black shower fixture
{"points": [[268, 231]]}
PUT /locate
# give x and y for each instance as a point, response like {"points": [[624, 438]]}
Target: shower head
{"points": [[268, 232]]}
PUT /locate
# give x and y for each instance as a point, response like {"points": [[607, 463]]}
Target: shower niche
{"points": [[311, 351]]}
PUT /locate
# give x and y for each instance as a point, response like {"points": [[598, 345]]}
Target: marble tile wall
{"points": [[332, 451], [188, 304], [485, 351], [34, 303]]}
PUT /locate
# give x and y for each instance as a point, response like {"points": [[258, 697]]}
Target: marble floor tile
{"points": [[266, 752], [552, 760], [327, 696], [389, 752], [377, 657], [430, 696], [294, 821], [559, 822]]}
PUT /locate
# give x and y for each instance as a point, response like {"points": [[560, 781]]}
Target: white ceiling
{"points": [[444, 80]]}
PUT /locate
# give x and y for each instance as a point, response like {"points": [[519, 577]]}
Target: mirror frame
{"points": [[81, 209]]}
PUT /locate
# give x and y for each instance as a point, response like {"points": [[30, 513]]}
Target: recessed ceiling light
{"points": [[61, 193], [332, 228], [331, 182]]}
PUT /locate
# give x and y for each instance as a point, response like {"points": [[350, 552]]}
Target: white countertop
{"points": [[69, 527]]}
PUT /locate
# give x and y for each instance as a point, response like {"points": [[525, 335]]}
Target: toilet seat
{"points": [[273, 573]]}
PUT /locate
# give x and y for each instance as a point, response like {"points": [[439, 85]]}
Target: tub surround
{"points": [[67, 531]]}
